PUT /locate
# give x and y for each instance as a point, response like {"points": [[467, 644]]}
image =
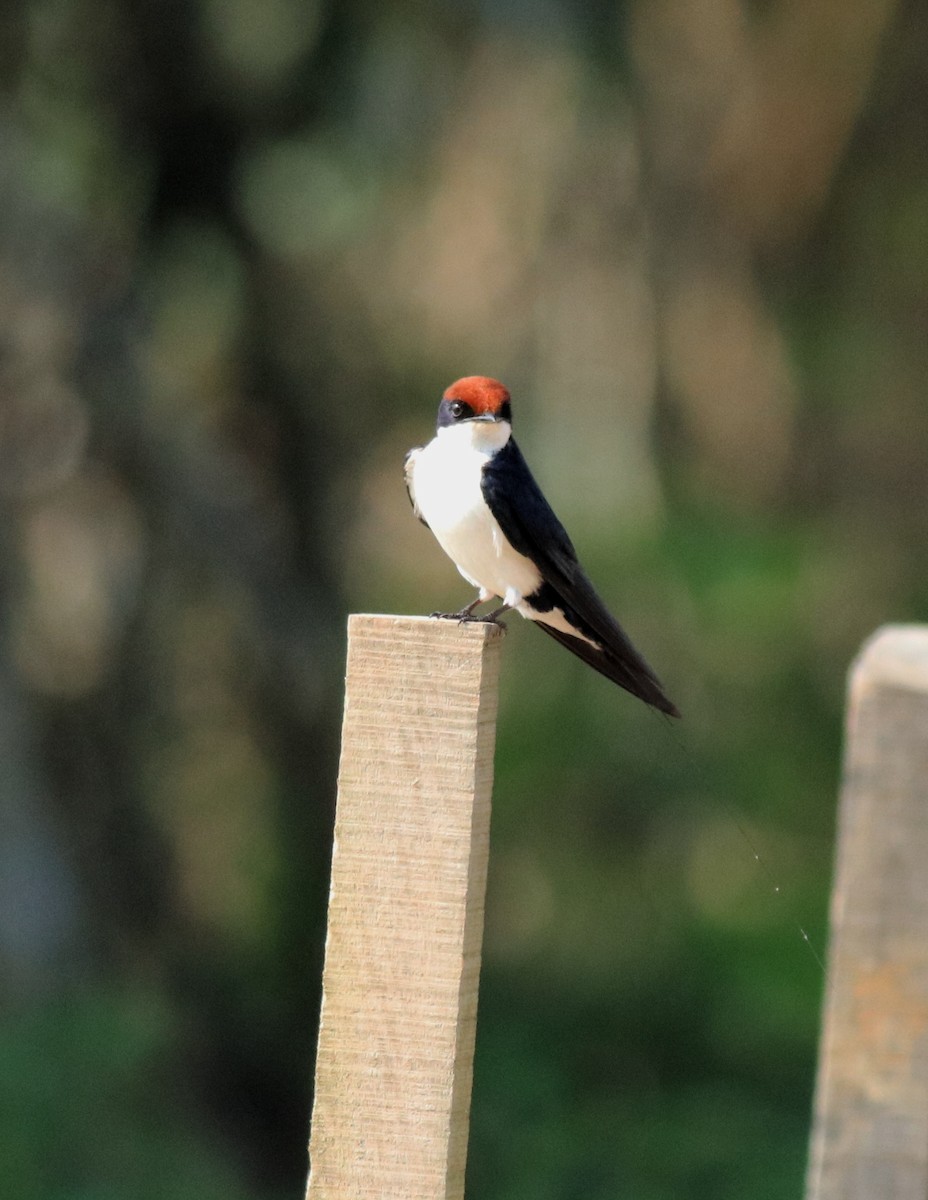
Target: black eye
{"points": [[459, 409]]}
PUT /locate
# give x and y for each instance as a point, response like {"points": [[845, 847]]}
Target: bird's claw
{"points": [[489, 619]]}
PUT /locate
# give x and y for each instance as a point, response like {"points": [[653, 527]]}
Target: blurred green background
{"points": [[244, 246]]}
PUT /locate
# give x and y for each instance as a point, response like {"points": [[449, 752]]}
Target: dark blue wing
{"points": [[530, 525]]}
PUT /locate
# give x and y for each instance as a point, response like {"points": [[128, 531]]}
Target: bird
{"points": [[473, 489]]}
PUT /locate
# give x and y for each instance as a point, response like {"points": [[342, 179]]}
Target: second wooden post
{"points": [[870, 1138]]}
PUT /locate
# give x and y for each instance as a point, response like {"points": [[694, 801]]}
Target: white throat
{"points": [[482, 437]]}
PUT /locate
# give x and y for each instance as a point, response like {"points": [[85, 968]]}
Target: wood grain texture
{"points": [[409, 865], [870, 1134]]}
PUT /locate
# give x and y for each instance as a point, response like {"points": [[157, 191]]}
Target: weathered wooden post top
{"points": [[409, 865]]}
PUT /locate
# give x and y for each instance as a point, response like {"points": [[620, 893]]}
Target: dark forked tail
{"points": [[628, 671]]}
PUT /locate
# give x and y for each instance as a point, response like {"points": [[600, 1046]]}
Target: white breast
{"points": [[446, 482]]}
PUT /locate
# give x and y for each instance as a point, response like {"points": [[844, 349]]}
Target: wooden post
{"points": [[402, 959], [870, 1135]]}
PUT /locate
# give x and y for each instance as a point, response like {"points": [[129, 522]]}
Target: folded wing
{"points": [[529, 523]]}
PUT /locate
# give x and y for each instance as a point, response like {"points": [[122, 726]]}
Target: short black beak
{"points": [[485, 417]]}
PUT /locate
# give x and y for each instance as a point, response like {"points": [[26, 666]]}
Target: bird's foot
{"points": [[491, 618], [467, 616], [466, 613]]}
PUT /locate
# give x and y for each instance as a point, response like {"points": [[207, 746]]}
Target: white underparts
{"points": [[446, 481], [446, 478]]}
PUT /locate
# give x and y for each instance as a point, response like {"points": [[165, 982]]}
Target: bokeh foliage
{"points": [[244, 245]]}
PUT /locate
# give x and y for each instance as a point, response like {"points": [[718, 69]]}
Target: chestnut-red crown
{"points": [[484, 395]]}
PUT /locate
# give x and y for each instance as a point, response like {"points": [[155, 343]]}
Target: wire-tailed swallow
{"points": [[471, 486]]}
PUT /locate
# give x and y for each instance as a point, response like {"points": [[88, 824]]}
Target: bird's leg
{"points": [[464, 614]]}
